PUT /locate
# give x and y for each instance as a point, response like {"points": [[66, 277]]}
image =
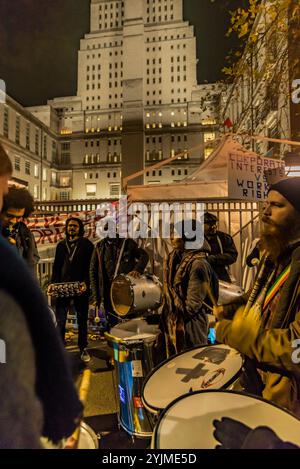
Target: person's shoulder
{"points": [[131, 243], [199, 261], [224, 235], [87, 242]]}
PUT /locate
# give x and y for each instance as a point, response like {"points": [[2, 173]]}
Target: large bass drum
{"points": [[131, 297]]}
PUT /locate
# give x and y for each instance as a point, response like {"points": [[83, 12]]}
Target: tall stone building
{"points": [[137, 102]]}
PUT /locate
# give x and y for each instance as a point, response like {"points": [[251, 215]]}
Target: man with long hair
{"points": [[266, 329], [71, 264], [18, 205]]}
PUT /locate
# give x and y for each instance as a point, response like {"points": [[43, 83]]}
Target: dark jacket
{"points": [[104, 261], [77, 269], [271, 348], [187, 278], [25, 244], [223, 254], [21, 413], [54, 383]]}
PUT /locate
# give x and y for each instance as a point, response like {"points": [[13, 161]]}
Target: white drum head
{"points": [[87, 438], [188, 422], [208, 367], [135, 329]]}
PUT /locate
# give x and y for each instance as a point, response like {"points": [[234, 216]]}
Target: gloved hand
{"points": [[235, 435], [230, 433]]}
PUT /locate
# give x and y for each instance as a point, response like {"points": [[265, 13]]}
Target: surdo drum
{"points": [[131, 297], [132, 343], [187, 423], [201, 368]]}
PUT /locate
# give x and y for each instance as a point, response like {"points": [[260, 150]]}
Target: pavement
{"points": [[102, 404]]}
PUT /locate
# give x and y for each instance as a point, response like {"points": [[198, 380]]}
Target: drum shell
{"points": [[134, 358], [87, 437], [229, 292], [130, 297]]}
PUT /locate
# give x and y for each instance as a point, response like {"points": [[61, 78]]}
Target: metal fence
{"points": [[239, 219]]}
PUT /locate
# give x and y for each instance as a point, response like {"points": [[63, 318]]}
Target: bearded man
{"points": [[71, 264], [267, 329]]}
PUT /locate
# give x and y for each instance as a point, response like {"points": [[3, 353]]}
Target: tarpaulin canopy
{"points": [[230, 172]]}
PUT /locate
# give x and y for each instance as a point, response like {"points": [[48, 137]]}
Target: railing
{"points": [[239, 219], [69, 206]]}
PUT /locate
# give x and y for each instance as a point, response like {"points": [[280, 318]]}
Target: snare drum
{"points": [[131, 296], [132, 343], [206, 367], [87, 437], [187, 423]]}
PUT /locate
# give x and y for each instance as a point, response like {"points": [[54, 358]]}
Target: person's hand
{"points": [[12, 240], [265, 438], [230, 433], [219, 312], [134, 274]]}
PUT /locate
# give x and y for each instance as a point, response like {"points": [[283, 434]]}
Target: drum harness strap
{"points": [[115, 274]]}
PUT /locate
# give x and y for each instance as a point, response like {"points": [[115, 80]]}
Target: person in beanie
{"points": [[266, 328], [223, 250]]}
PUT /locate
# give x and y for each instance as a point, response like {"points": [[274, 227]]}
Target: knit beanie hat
{"points": [[290, 189]]}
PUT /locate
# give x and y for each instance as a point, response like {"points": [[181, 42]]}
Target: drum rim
{"points": [[227, 391], [90, 431], [157, 410], [111, 298]]}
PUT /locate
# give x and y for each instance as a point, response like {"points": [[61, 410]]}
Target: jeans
{"points": [[81, 304]]}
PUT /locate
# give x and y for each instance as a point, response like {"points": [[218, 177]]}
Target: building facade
{"points": [[260, 100], [138, 102]]}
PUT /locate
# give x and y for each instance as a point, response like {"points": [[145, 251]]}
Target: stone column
{"points": [[133, 135]]}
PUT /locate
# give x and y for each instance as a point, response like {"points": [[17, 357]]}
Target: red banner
{"points": [[51, 229]]}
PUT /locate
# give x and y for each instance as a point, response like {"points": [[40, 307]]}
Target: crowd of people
{"points": [[263, 325]]}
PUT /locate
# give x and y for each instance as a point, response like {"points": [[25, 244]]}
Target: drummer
{"points": [[113, 256], [267, 329], [223, 251], [189, 280]]}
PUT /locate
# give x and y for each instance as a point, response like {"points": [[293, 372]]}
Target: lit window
{"points": [[209, 136], [91, 189]]}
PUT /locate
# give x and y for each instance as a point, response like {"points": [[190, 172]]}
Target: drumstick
{"points": [[72, 442], [210, 294]]}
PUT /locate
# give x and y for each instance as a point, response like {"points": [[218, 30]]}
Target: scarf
{"points": [[174, 313]]}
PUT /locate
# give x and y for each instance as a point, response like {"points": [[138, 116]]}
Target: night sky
{"points": [[39, 41]]}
